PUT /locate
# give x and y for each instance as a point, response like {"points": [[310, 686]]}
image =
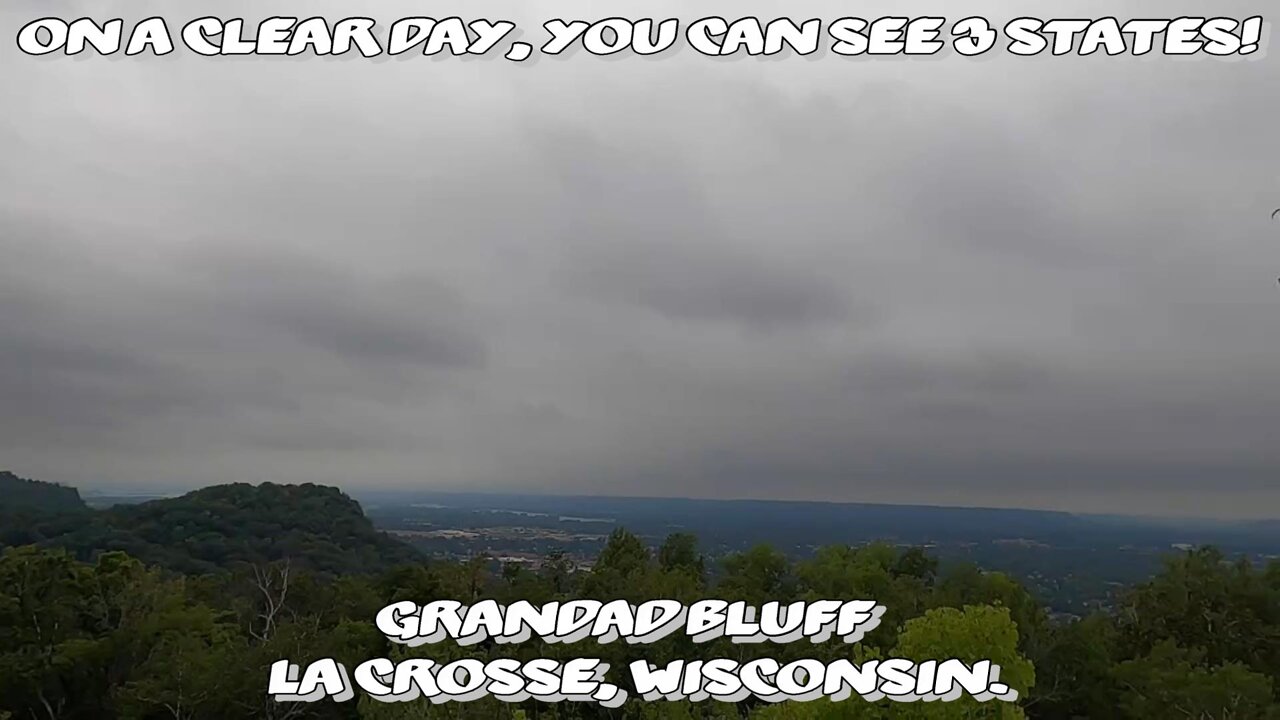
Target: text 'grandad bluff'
{"points": [[598, 623]]}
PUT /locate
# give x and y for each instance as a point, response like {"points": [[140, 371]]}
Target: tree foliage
{"points": [[177, 609], [219, 526]]}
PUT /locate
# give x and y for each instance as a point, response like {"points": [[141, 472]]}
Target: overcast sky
{"points": [[1004, 282]]}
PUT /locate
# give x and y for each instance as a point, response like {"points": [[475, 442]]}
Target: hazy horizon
{"points": [[363, 491], [1044, 283]]}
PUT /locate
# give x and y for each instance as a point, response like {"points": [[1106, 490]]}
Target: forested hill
{"points": [[317, 527], [22, 495], [112, 638]]}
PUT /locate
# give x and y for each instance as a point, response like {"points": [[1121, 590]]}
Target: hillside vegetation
{"points": [[319, 527], [22, 495], [295, 572]]}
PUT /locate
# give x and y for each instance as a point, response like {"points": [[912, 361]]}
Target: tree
{"points": [[1074, 671], [971, 634], [757, 576], [619, 572], [1171, 682], [679, 553], [916, 564], [623, 553], [558, 570], [969, 585], [1228, 610]]}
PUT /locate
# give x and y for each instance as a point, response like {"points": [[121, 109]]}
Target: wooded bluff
{"points": [[177, 609]]}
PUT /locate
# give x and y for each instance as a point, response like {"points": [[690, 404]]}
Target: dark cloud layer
{"points": [[400, 320], [998, 282]]}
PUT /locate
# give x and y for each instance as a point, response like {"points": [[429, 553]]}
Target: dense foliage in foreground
{"points": [[109, 636]]}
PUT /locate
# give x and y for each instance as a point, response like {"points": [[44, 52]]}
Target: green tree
{"points": [[1200, 600], [1172, 682], [679, 553], [620, 571], [757, 576], [971, 634], [1074, 672]]}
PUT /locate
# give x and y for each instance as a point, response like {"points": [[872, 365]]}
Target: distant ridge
{"points": [[22, 495], [467, 498], [318, 527]]}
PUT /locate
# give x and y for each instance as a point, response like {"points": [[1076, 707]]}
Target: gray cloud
{"points": [[643, 233], [998, 282], [399, 320], [687, 283]]}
